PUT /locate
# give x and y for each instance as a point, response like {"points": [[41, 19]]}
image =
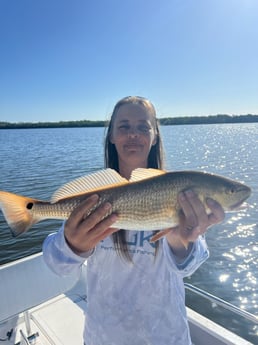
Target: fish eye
{"points": [[231, 190], [29, 205]]}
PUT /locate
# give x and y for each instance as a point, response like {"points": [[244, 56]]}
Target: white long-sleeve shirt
{"points": [[139, 303]]}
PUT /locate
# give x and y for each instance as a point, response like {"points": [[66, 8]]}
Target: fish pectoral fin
{"points": [[163, 233], [159, 235], [143, 174], [89, 183]]}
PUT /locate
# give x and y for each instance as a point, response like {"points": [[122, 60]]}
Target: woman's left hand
{"points": [[194, 221]]}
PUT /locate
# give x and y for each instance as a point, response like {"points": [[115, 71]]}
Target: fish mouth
{"points": [[240, 205]]}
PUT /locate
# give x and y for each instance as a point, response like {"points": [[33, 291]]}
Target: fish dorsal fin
{"points": [[88, 183], [143, 174]]}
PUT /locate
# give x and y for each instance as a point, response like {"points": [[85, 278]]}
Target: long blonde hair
{"points": [[155, 159]]}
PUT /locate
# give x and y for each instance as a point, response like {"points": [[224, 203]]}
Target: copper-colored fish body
{"points": [[148, 201]]}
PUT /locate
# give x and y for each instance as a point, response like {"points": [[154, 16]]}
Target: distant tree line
{"points": [[212, 119], [184, 120], [61, 124]]}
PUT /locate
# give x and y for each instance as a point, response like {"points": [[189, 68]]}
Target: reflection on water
{"points": [[232, 269], [37, 162]]}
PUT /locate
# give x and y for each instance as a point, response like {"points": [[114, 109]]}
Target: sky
{"points": [[63, 60]]}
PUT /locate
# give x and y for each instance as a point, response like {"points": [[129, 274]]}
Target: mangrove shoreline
{"points": [[167, 121]]}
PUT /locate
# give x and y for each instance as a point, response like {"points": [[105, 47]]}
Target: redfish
{"points": [[148, 201]]}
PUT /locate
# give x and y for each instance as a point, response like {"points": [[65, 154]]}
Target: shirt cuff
{"points": [[199, 253], [59, 256]]}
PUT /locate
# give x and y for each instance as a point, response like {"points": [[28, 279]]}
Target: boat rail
{"points": [[221, 302]]}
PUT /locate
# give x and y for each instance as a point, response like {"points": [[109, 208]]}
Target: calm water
{"points": [[36, 162]]}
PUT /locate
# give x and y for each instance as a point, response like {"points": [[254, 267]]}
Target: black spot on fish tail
{"points": [[29, 205]]}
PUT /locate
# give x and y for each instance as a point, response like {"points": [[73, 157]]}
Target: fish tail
{"points": [[17, 212]]}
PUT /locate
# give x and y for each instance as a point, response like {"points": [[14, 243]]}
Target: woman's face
{"points": [[133, 135]]}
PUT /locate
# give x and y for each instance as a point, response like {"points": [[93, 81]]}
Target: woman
{"points": [[135, 288]]}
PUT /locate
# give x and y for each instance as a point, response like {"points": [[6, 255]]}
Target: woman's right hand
{"points": [[83, 234]]}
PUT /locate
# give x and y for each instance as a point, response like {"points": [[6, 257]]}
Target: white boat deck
{"points": [[57, 317]]}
